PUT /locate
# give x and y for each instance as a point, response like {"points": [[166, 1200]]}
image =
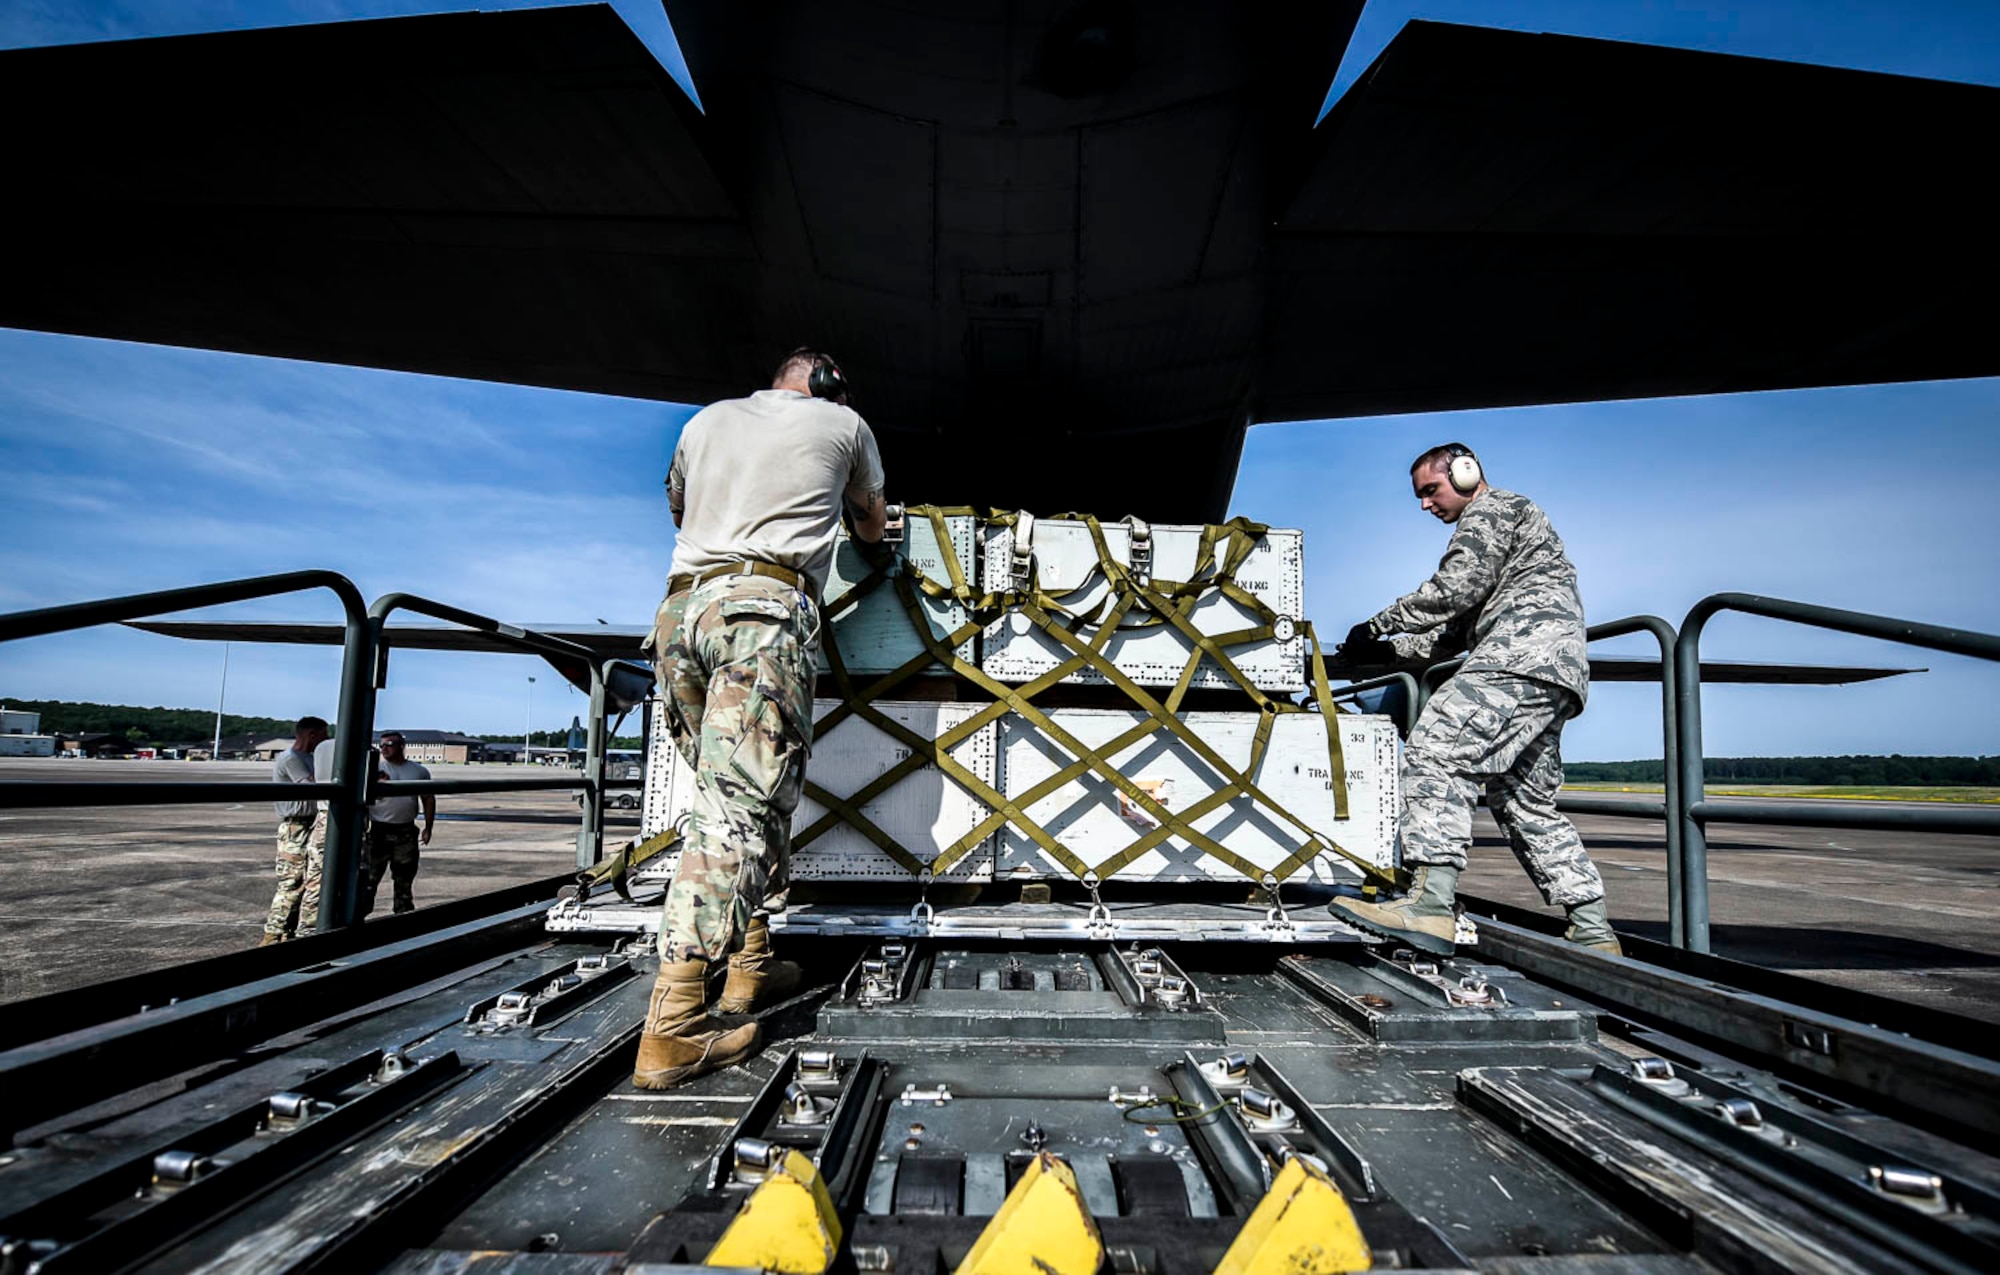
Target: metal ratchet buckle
{"points": [[1142, 551], [1275, 916], [1023, 564], [921, 912], [1099, 919]]}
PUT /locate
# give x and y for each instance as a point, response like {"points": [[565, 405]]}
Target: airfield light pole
{"points": [[221, 696], [527, 736]]}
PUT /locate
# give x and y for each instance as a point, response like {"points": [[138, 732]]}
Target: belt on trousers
{"points": [[682, 583]]}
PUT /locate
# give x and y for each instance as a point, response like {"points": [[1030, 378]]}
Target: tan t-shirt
{"points": [[760, 479]]}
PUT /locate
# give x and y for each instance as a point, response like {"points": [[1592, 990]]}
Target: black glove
{"points": [[1362, 648], [880, 554]]}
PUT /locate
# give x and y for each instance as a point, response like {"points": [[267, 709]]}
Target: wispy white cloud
{"points": [[143, 468]]}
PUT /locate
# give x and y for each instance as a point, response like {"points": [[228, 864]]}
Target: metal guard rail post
{"points": [[342, 793], [1667, 810], [1696, 811], [590, 834], [349, 790]]}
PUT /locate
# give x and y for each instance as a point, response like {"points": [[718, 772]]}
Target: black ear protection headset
{"points": [[1464, 471], [826, 380]]}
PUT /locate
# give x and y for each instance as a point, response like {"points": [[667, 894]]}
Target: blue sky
{"points": [[133, 467]]}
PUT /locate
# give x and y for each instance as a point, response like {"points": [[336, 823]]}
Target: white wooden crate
{"points": [[874, 634], [1095, 820], [1065, 557], [924, 811]]}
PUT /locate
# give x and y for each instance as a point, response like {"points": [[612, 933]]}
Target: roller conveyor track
{"points": [[458, 1101]]}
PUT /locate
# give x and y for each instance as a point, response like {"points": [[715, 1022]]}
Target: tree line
{"points": [[1894, 770], [167, 725], [145, 725]]}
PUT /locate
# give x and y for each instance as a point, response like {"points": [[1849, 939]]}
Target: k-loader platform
{"points": [[449, 1092]]}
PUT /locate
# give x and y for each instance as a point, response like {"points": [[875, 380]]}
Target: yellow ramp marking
{"points": [[787, 1225], [1043, 1228], [1302, 1226]]}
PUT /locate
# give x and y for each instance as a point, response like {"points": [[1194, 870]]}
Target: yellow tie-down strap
{"points": [[619, 866], [1156, 602]]}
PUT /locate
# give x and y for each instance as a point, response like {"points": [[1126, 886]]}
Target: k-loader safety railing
{"points": [[353, 786], [1685, 809], [1695, 810]]}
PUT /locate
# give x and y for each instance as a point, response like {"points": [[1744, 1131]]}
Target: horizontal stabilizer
{"points": [[622, 642], [606, 643]]}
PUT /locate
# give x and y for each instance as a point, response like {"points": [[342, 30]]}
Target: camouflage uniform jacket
{"points": [[1506, 590]]}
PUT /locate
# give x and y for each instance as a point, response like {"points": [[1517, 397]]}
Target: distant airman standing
{"points": [[394, 841], [301, 856], [1507, 591], [756, 488]]}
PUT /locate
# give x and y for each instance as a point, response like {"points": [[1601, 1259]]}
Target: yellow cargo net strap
{"points": [[1160, 602], [936, 752], [620, 865]]}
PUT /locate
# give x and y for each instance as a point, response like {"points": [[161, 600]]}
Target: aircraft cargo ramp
{"points": [[457, 1100]]}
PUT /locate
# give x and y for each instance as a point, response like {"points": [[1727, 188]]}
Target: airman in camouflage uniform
{"points": [[294, 906], [735, 663], [1507, 591], [757, 487]]}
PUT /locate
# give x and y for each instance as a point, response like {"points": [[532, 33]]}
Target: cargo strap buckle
{"points": [[921, 912], [1024, 552], [1099, 920], [1142, 550], [1275, 916]]}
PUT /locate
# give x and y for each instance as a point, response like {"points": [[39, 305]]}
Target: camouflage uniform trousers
{"points": [[736, 661], [294, 906], [391, 849], [1504, 732]]}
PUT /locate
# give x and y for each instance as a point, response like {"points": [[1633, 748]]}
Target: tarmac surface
{"points": [[88, 894]]}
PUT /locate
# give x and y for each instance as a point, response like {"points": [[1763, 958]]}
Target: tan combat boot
{"points": [[1590, 926], [1424, 917], [681, 1041], [270, 938], [755, 976]]}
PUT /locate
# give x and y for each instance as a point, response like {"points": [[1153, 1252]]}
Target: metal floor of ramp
{"points": [[460, 1102]]}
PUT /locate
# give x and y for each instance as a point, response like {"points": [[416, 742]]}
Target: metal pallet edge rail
{"points": [[1923, 1022], [184, 1179], [74, 1070], [55, 1013], [1946, 1090], [363, 670]]}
